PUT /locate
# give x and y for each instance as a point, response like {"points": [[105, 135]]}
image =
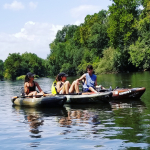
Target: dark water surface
{"points": [[115, 126]]}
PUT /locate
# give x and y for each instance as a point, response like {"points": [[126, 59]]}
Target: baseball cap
{"points": [[62, 74], [29, 74]]}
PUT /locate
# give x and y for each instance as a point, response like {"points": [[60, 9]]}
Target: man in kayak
{"points": [[90, 80], [63, 86], [30, 85]]}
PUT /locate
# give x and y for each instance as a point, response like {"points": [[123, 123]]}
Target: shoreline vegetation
{"points": [[22, 77], [113, 41]]}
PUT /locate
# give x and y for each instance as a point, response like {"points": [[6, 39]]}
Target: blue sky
{"points": [[30, 26]]}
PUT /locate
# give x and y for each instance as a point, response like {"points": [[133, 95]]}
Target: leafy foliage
{"points": [[107, 63], [122, 22], [16, 65], [75, 46], [1, 69], [110, 41], [140, 51], [13, 66]]}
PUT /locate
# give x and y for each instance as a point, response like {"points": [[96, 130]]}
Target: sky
{"points": [[30, 26]]}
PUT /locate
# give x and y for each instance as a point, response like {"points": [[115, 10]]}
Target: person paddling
{"points": [[30, 85], [90, 80], [63, 86]]}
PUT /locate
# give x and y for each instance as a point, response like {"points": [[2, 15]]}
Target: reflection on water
{"points": [[126, 104], [35, 121], [79, 117], [35, 117], [119, 125], [117, 121]]}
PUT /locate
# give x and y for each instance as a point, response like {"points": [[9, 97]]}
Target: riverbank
{"points": [[22, 77]]}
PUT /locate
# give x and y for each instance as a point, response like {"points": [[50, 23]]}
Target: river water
{"points": [[118, 125]]}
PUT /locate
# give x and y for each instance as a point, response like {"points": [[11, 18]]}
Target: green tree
{"points": [[62, 50], [13, 66], [17, 65], [1, 69], [123, 15], [77, 45], [140, 50], [31, 62], [94, 32], [66, 33], [107, 63]]}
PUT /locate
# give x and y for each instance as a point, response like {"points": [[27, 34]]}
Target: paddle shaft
{"points": [[32, 96]]}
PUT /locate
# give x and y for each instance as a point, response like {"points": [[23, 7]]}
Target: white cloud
{"points": [[34, 37], [33, 5], [14, 5], [82, 11]]}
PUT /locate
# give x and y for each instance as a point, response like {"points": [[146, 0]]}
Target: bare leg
{"points": [[41, 93], [32, 93], [92, 90], [66, 87], [74, 87]]}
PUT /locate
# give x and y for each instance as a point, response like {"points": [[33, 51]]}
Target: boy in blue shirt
{"points": [[90, 80]]}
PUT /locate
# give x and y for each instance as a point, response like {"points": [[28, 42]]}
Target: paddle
{"points": [[99, 89], [14, 97]]}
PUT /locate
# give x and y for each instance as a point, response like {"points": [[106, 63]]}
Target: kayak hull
{"points": [[133, 93], [48, 101], [101, 97]]}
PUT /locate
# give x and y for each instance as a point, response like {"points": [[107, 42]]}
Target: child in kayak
{"points": [[30, 85], [63, 86], [90, 80]]}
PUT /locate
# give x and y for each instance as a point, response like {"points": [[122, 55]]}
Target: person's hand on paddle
{"points": [[42, 93]]}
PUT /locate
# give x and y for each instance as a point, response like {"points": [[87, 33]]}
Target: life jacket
{"points": [[53, 87]]}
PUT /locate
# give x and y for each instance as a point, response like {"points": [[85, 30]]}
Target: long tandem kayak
{"points": [[89, 97], [128, 93]]}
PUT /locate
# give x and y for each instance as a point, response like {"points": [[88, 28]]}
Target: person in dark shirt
{"points": [[30, 85]]}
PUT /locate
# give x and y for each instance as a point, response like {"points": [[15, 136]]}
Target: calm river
{"points": [[115, 126]]}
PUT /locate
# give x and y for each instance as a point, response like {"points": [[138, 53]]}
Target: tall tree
{"points": [[94, 32], [1, 69], [62, 51], [12, 66], [123, 15], [16, 65], [31, 62], [140, 51]]}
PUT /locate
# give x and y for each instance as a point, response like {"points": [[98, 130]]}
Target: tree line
{"points": [[16, 65], [116, 40]]}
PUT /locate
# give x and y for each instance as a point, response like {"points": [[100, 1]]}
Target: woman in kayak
{"points": [[63, 86], [30, 85]]}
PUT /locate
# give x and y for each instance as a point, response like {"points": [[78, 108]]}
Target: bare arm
{"points": [[58, 87], [26, 87], [82, 77], [39, 88]]}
